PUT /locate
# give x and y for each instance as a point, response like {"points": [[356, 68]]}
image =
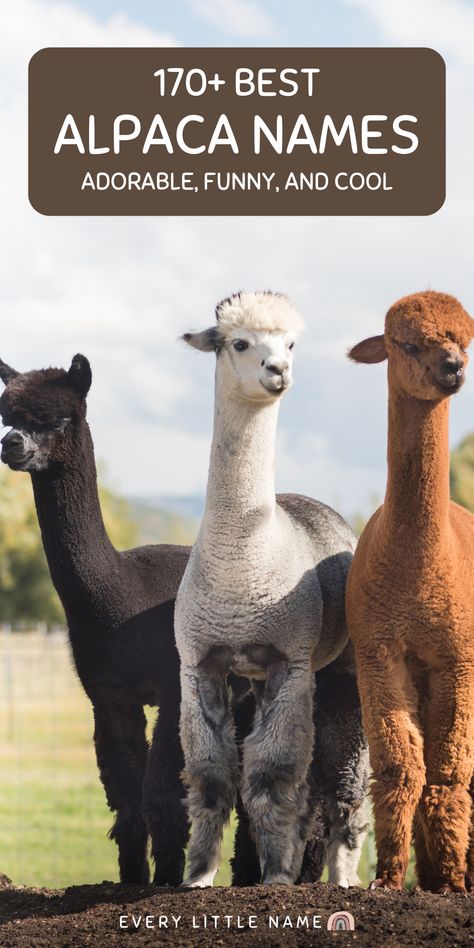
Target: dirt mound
{"points": [[108, 914]]}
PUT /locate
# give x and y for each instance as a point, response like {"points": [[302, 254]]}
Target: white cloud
{"points": [[446, 25], [307, 465], [29, 25], [243, 18], [158, 460]]}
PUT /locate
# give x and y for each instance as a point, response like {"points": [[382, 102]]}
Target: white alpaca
{"points": [[262, 596]]}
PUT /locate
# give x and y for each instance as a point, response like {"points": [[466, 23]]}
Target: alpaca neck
{"points": [[76, 544], [417, 498], [241, 485]]}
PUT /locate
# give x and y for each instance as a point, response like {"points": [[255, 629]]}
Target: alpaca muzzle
{"points": [[277, 376], [451, 374], [14, 452]]}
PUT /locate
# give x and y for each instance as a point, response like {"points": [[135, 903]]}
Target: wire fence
{"points": [[53, 815]]}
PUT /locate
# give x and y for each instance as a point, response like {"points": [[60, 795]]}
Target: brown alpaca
{"points": [[410, 607]]}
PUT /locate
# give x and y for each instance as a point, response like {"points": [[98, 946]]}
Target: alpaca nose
{"points": [[13, 439], [277, 366], [452, 364]]}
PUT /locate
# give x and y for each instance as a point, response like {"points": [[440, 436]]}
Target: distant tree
{"points": [[462, 473], [26, 591]]}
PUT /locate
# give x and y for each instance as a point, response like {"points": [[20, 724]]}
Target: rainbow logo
{"points": [[341, 922]]}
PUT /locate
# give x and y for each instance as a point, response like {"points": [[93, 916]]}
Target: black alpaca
{"points": [[119, 609]]}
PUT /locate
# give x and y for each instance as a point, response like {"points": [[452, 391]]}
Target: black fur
{"points": [[119, 609]]}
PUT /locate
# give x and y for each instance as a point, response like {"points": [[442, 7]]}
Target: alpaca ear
{"points": [[369, 350], [79, 375], [209, 340], [7, 373]]}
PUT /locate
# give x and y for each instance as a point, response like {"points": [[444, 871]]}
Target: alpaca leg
{"points": [[389, 710], [315, 854], [121, 751], [446, 804], [426, 873], [276, 759], [244, 862], [211, 768], [341, 771], [163, 795], [470, 848], [304, 825]]}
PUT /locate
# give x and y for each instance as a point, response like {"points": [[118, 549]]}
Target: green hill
{"points": [[156, 525]]}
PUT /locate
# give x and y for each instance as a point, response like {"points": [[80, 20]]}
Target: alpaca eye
{"points": [[409, 348], [241, 345]]}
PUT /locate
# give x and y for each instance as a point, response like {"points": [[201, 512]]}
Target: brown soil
{"points": [[90, 915]]}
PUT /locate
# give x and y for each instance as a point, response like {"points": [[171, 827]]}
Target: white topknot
{"points": [[262, 311]]}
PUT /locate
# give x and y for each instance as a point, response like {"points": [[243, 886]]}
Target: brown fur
{"points": [[410, 607]]}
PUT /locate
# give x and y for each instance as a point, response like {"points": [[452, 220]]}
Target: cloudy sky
{"points": [[121, 289]]}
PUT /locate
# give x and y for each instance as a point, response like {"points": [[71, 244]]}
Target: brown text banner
{"points": [[237, 131]]}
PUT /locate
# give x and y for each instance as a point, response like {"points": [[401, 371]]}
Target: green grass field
{"points": [[53, 815]]}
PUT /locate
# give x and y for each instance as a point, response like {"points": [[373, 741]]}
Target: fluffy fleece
{"points": [[262, 311], [410, 607]]}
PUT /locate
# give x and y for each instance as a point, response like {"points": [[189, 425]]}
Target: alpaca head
{"points": [[253, 339], [42, 409], [425, 341]]}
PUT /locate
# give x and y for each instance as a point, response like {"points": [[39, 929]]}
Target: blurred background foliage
{"points": [[462, 473]]}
